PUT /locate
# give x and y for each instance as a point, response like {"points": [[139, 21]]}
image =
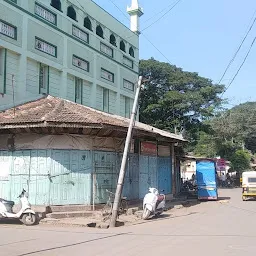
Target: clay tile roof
{"points": [[51, 110]]}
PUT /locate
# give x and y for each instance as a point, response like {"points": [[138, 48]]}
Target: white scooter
{"points": [[153, 203], [25, 214]]}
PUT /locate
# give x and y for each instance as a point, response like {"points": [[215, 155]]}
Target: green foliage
{"points": [[240, 160], [237, 126], [205, 146], [225, 149], [176, 100]]}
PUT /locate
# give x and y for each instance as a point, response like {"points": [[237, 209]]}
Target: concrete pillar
{"points": [[21, 77], [94, 85], [64, 74]]}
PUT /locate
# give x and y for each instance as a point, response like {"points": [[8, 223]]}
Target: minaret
{"points": [[135, 12]]}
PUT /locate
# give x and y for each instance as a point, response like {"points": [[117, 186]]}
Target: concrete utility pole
{"points": [[120, 182]]}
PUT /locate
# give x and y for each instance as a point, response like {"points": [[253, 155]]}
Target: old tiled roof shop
{"points": [[60, 147]]}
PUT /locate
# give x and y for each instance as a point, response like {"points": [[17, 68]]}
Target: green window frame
{"points": [[43, 79], [3, 61], [106, 100], [44, 13], [41, 45], [4, 26], [127, 103], [107, 75], [79, 90]]}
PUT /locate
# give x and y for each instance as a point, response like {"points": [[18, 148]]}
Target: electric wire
{"points": [[238, 49], [240, 67], [169, 10], [142, 33]]}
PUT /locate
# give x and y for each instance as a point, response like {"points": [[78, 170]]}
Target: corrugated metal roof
{"points": [[53, 111]]}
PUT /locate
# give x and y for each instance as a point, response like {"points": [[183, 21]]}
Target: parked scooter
{"points": [[153, 203], [25, 214]]}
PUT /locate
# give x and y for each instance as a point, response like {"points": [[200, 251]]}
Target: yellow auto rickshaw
{"points": [[249, 185]]}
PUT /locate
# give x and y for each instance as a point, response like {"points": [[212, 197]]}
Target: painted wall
{"points": [[23, 59]]}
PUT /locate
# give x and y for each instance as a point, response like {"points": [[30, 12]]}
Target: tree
{"points": [[240, 161], [176, 100], [237, 126], [205, 146]]}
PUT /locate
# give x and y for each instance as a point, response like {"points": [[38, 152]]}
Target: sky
{"points": [[199, 36]]}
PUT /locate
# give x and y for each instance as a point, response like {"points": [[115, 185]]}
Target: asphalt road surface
{"points": [[227, 227]]}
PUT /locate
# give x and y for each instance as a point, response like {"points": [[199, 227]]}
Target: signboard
{"points": [[148, 148], [221, 163]]}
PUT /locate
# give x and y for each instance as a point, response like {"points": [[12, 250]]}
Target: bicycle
{"points": [[107, 209]]}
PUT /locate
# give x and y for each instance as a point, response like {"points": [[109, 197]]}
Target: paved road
{"points": [[213, 228]]}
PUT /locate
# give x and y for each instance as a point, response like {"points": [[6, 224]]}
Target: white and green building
{"points": [[72, 49]]}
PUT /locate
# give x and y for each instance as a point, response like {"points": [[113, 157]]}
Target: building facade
{"points": [[71, 49]]}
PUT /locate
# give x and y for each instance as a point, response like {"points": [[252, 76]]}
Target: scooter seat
{"points": [[160, 198], [6, 202]]}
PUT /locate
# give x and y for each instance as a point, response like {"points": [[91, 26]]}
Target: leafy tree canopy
{"points": [[237, 126], [176, 100], [240, 160]]}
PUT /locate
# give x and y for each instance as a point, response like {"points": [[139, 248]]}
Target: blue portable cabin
{"points": [[206, 179]]}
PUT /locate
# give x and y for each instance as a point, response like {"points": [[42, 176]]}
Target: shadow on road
{"points": [[162, 217], [222, 198], [10, 221]]}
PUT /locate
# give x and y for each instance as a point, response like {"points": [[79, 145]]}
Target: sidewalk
{"points": [[130, 219]]}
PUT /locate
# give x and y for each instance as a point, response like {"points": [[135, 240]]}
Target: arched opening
{"points": [[56, 4], [87, 23], [99, 31], [122, 46], [112, 39], [131, 52], [71, 13]]}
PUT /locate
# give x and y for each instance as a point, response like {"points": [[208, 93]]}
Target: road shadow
{"points": [[222, 198], [11, 221], [163, 217]]}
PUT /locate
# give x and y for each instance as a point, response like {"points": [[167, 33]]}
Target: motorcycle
{"points": [[25, 214], [153, 203]]}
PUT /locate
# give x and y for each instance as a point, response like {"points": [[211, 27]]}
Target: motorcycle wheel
{"points": [[145, 214], [28, 219]]}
